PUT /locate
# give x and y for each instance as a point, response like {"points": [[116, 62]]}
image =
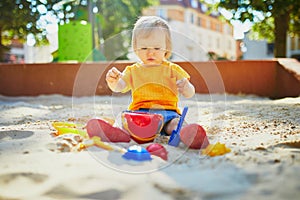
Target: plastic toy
{"points": [[175, 136], [134, 152], [67, 128], [216, 149], [137, 153], [194, 136], [107, 132], [158, 150], [96, 141], [142, 126]]}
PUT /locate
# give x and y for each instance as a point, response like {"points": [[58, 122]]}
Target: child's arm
{"points": [[114, 80], [185, 88]]}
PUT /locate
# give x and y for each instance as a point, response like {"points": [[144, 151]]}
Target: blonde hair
{"points": [[145, 25]]}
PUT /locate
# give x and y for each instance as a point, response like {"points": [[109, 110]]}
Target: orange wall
{"points": [[263, 78]]}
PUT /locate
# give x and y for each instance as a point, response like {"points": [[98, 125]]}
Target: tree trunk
{"points": [[1, 47], [281, 29]]}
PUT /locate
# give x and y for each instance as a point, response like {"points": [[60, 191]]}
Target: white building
{"points": [[261, 49], [40, 54], [24, 53], [194, 33], [293, 46], [256, 49]]}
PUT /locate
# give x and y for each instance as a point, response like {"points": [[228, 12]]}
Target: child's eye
{"points": [[144, 48], [157, 48]]}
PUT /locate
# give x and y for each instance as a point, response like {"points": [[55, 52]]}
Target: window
{"points": [[192, 18], [199, 21], [208, 24], [218, 28], [162, 13], [270, 48]]}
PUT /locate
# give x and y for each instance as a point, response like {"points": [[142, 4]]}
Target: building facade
{"points": [[196, 35], [293, 47], [262, 49]]}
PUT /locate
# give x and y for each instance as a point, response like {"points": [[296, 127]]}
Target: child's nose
{"points": [[150, 51]]}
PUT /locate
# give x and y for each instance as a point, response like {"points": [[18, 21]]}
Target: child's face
{"points": [[152, 49]]}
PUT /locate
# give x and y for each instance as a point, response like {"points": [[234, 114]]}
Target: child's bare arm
{"points": [[114, 80], [185, 88]]}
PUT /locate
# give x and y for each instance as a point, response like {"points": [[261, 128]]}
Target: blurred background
{"points": [[44, 31]]}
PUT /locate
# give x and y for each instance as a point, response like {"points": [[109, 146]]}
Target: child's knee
{"points": [[172, 125]]}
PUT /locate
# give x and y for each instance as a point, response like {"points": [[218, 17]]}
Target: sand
{"points": [[263, 135]]}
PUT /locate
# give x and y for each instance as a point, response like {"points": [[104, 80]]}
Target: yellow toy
{"points": [[217, 149], [96, 141], [72, 128], [67, 128]]}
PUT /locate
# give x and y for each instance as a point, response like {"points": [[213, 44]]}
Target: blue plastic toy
{"points": [[137, 153], [175, 136]]}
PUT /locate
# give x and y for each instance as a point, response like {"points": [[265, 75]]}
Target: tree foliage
{"points": [[273, 19], [115, 16], [12, 20], [18, 18]]}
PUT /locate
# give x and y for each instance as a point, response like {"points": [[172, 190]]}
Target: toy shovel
{"points": [[175, 136]]}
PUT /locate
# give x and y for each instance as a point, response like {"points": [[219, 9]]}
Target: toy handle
{"points": [[175, 136]]}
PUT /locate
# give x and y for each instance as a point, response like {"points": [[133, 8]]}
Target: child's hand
{"points": [[181, 85], [185, 88], [114, 80], [113, 75]]}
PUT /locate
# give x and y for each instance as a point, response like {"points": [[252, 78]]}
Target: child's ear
{"points": [[167, 54]]}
